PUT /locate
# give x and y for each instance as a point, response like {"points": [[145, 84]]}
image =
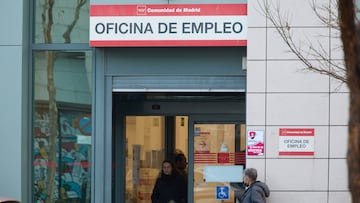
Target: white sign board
{"points": [[296, 141], [83, 139], [168, 25], [223, 173]]}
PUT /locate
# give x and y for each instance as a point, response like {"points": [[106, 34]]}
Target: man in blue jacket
{"points": [[257, 191]]}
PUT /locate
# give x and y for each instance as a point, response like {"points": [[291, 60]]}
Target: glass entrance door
{"points": [[148, 141], [145, 150], [149, 128], [218, 158], [213, 145]]}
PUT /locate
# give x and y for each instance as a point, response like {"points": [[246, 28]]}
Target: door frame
{"points": [[197, 111]]}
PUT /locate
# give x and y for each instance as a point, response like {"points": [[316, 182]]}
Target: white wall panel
{"points": [[255, 109], [11, 23], [336, 197], [338, 174], [336, 45], [10, 120], [290, 76], [298, 197], [303, 39], [297, 174], [337, 86], [256, 17], [339, 108], [300, 13], [256, 48], [338, 141], [276, 47], [256, 76], [297, 109]]}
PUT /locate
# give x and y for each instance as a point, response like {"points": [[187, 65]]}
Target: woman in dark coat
{"points": [[169, 187]]}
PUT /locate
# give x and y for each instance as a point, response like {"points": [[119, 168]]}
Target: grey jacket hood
{"points": [[263, 187], [256, 192]]}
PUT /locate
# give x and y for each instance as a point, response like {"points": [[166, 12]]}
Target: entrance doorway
{"points": [[209, 129]]}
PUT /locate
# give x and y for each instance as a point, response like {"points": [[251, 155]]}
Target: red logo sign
{"points": [[223, 158]]}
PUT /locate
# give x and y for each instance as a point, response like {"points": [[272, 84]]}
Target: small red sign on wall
{"points": [[255, 143]]}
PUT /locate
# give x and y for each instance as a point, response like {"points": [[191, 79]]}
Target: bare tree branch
{"points": [[320, 55], [332, 19], [347, 71], [70, 27]]}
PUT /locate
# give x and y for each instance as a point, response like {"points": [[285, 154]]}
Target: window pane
{"points": [[181, 134], [217, 162], [145, 137], [62, 126], [61, 22]]}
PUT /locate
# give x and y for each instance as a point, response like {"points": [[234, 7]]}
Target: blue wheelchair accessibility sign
{"points": [[222, 192]]}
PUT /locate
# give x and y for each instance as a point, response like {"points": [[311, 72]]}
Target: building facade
{"points": [[118, 110]]}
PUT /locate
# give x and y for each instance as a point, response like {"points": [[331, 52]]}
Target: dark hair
{"points": [[251, 173], [179, 157]]}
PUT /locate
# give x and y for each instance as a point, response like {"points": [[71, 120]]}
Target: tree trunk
{"points": [[47, 21], [350, 38], [53, 124]]}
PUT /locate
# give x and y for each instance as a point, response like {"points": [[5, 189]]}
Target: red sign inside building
{"points": [[223, 158]]}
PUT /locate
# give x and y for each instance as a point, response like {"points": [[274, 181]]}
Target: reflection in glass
{"points": [[181, 134], [62, 126], [145, 137], [215, 147], [58, 21]]}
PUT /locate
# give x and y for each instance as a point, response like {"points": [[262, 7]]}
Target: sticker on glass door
{"points": [[222, 192]]}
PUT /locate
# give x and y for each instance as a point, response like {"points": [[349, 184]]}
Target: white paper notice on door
{"points": [[223, 173]]}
